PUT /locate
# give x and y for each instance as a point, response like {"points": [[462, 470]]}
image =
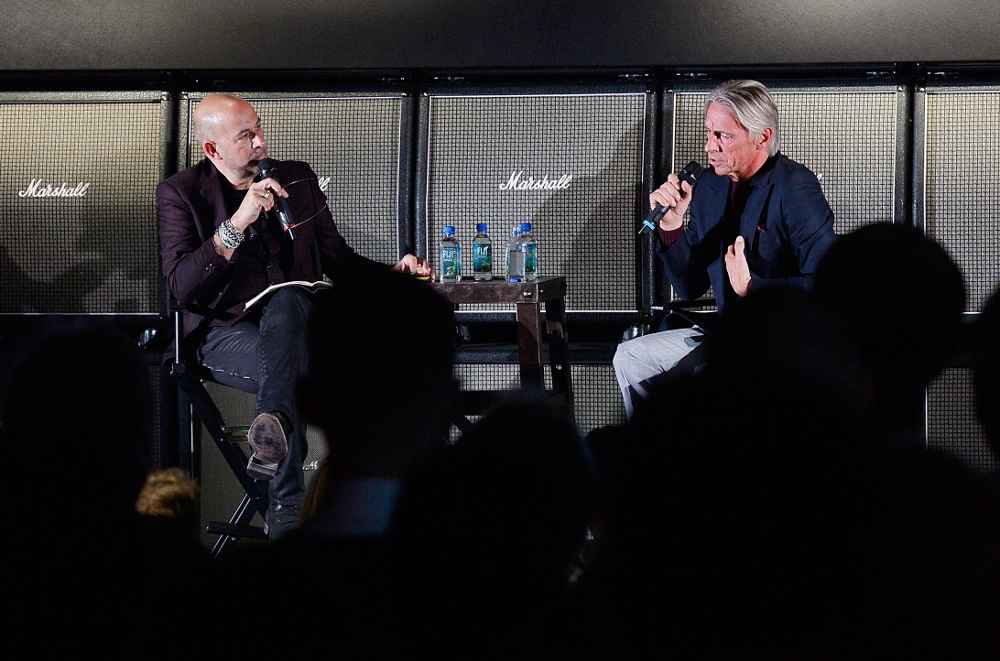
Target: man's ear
{"points": [[765, 138], [209, 148]]}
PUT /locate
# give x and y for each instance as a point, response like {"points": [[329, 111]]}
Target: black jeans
{"points": [[267, 358]]}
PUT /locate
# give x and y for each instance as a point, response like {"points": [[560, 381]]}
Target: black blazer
{"points": [[787, 225], [191, 206]]}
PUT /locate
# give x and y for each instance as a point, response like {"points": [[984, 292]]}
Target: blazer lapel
{"points": [[717, 199], [211, 192], [755, 213]]}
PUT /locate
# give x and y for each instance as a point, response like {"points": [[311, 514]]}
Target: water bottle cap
{"points": [[525, 227], [481, 227], [449, 230]]}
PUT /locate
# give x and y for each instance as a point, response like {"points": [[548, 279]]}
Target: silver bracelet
{"points": [[225, 241], [231, 237]]}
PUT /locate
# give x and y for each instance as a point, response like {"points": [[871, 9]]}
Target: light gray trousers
{"points": [[648, 355]]}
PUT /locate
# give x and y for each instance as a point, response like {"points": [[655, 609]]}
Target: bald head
{"points": [[214, 111], [229, 131]]}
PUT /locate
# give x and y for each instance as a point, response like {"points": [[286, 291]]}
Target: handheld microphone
{"points": [[280, 203], [690, 174]]}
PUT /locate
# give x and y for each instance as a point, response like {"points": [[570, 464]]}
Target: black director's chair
{"points": [[190, 378]]}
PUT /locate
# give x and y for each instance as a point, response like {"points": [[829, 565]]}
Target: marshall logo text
{"points": [[518, 181], [37, 189]]}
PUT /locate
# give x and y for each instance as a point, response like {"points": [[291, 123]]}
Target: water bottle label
{"points": [[482, 258], [531, 258], [450, 266]]}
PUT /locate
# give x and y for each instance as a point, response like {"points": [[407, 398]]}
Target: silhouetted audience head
{"points": [[85, 570], [490, 528], [985, 349], [779, 344], [169, 493], [78, 406], [379, 381], [746, 515], [900, 297]]}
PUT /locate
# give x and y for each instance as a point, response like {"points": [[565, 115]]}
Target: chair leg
{"points": [[256, 500], [237, 528]]}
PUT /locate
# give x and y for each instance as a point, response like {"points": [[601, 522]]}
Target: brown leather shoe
{"points": [[267, 438]]}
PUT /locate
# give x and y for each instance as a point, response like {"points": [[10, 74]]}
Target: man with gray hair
{"points": [[757, 219]]}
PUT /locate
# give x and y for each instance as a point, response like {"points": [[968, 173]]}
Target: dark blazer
{"points": [[213, 289], [787, 225]]}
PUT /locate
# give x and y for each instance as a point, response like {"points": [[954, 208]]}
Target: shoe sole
{"points": [[269, 444]]}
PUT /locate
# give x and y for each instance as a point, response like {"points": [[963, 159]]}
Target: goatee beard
{"points": [[245, 172]]}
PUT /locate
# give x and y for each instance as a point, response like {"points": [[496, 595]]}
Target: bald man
{"points": [[221, 244]]}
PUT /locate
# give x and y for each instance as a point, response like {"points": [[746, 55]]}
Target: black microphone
{"points": [[280, 203], [690, 174]]}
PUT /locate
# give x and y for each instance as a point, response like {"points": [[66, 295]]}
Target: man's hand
{"points": [[676, 196], [415, 265], [738, 268], [259, 198]]}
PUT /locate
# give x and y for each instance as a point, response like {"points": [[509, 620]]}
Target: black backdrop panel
{"points": [[952, 426], [851, 136], [958, 144], [475, 145], [359, 147], [77, 201]]}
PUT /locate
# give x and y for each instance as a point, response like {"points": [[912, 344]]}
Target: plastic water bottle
{"points": [[451, 256], [515, 257], [530, 252], [482, 254]]}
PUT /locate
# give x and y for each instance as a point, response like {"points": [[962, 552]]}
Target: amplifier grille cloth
{"points": [[586, 231], [95, 252], [834, 134], [961, 205], [597, 399], [952, 426], [353, 145]]}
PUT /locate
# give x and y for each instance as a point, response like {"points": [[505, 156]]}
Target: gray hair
{"points": [[752, 105]]}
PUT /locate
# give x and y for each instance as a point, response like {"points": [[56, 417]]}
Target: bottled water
{"points": [[530, 252], [515, 257], [451, 256], [482, 254]]}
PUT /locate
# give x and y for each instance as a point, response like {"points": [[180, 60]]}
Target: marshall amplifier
{"points": [[358, 144], [572, 160], [958, 157], [853, 136], [77, 201]]}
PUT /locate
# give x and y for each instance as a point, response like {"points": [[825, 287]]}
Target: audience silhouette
{"points": [[84, 570], [985, 350], [489, 530], [899, 296], [775, 503], [379, 386], [752, 514]]}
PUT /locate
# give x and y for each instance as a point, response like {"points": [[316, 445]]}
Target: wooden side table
{"points": [[528, 297]]}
